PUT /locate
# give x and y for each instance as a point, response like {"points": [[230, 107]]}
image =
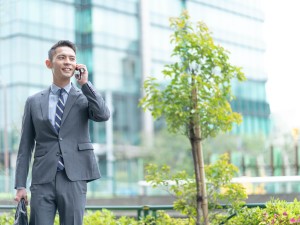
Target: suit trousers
{"points": [[62, 195]]}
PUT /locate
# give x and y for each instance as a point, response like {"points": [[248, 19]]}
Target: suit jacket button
{"points": [[60, 139], [57, 154]]}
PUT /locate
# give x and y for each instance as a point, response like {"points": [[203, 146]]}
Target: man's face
{"points": [[63, 63]]}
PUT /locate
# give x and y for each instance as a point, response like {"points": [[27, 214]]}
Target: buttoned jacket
{"points": [[40, 140]]}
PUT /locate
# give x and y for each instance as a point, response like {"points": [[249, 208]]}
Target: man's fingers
{"points": [[26, 200], [18, 199], [21, 194]]}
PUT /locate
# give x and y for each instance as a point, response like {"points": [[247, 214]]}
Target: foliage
{"points": [[249, 216], [219, 186], [108, 218], [182, 186], [164, 219], [7, 219], [197, 58], [277, 212]]}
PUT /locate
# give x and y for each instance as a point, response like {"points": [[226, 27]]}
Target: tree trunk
{"points": [[201, 197], [197, 177], [202, 183], [195, 139]]}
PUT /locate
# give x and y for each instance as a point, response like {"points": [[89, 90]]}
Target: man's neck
{"points": [[61, 83]]}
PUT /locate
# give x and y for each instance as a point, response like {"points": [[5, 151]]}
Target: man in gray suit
{"points": [[55, 124]]}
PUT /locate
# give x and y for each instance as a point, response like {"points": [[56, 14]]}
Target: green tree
{"points": [[195, 102]]}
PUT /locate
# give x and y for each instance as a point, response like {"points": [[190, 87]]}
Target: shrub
{"points": [[219, 188], [106, 217], [277, 212], [7, 219]]}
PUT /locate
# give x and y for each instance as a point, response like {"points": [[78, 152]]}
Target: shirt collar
{"points": [[55, 88]]}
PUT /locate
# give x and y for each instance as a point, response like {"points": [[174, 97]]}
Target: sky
{"points": [[282, 60]]}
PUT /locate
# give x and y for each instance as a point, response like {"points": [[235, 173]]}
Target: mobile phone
{"points": [[78, 73]]}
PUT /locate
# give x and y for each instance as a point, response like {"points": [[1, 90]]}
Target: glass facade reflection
{"points": [[108, 34], [238, 27]]}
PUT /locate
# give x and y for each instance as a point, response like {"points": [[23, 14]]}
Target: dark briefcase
{"points": [[21, 217]]}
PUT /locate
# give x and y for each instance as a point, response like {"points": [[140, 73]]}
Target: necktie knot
{"points": [[61, 91]]}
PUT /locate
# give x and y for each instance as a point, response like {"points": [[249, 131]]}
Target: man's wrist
{"points": [[82, 82], [20, 188]]}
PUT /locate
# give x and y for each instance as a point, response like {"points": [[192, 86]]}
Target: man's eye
{"points": [[72, 59], [60, 57]]}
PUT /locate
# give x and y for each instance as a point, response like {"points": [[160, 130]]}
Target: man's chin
{"points": [[67, 75]]}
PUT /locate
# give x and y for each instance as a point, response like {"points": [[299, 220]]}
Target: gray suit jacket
{"points": [[73, 140]]}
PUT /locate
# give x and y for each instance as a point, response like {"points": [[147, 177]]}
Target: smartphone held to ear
{"points": [[78, 73]]}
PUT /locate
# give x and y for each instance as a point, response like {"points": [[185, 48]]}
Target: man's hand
{"points": [[84, 75], [21, 193]]}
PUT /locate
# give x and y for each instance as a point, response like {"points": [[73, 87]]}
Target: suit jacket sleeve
{"points": [[97, 108], [26, 147]]}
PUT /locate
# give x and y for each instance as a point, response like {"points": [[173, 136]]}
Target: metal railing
{"points": [[142, 211]]}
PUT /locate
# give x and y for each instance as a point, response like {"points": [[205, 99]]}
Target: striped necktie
{"points": [[58, 116], [59, 110]]}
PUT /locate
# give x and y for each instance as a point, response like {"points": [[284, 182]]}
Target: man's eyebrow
{"points": [[62, 54]]}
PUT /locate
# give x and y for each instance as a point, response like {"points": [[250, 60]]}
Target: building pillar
{"points": [[145, 51], [109, 143]]}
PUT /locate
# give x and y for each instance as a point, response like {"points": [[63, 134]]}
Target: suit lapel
{"points": [[44, 103], [73, 95]]}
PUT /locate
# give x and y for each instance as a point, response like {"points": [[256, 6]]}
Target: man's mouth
{"points": [[67, 69]]}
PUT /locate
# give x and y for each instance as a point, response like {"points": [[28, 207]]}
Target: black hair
{"points": [[62, 43]]}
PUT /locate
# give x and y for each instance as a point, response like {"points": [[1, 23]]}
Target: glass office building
{"points": [[122, 42]]}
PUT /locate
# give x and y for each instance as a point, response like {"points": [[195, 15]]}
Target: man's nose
{"points": [[67, 61]]}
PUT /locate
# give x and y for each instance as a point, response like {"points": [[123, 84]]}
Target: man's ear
{"points": [[48, 64]]}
